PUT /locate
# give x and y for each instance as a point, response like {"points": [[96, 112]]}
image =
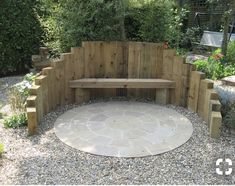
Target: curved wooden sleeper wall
{"points": [[123, 60]]}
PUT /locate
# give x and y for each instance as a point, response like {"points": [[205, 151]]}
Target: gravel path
{"points": [[44, 159]]}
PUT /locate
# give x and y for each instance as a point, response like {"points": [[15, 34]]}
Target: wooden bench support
{"points": [[82, 95], [162, 96]]}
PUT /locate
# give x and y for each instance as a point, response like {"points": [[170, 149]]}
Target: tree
{"points": [[227, 7]]}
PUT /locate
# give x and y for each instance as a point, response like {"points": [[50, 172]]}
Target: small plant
{"points": [[1, 149], [19, 93], [191, 37], [15, 121], [216, 66], [202, 65]]}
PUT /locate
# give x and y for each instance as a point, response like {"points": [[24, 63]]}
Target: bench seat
{"points": [[121, 83], [82, 86]]}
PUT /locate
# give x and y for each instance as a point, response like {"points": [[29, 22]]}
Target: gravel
{"points": [[5, 83], [44, 159], [226, 93]]}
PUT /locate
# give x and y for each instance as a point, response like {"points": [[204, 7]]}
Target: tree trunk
{"points": [[228, 9], [225, 34]]}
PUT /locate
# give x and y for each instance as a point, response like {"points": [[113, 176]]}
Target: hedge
{"points": [[21, 34]]}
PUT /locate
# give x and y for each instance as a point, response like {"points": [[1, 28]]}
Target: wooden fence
{"points": [[121, 60]]}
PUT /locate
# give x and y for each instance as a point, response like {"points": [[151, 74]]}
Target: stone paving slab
{"points": [[123, 129]]}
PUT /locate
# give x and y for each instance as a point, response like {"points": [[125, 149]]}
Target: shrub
{"points": [[21, 34], [176, 28], [155, 18], [17, 99], [153, 21], [48, 15], [16, 121], [88, 20], [19, 93], [202, 65], [230, 57], [215, 67], [191, 37]]}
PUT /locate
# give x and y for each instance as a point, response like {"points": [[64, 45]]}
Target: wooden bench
{"points": [[162, 86]]}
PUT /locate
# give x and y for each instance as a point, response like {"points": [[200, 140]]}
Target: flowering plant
{"points": [[18, 93], [216, 56]]}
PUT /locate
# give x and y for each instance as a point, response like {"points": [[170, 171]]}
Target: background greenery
{"points": [[60, 24], [21, 34]]}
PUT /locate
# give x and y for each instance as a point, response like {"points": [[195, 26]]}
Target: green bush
{"points": [[202, 65], [230, 57], [16, 121], [191, 37], [88, 20], [48, 15], [17, 98], [19, 93], [215, 67], [21, 34], [155, 18], [153, 21]]}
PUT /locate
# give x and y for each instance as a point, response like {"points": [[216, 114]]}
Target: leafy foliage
{"points": [[19, 93], [16, 121], [216, 67], [201, 65], [153, 21], [191, 37], [230, 57], [21, 34], [88, 20], [48, 12]]}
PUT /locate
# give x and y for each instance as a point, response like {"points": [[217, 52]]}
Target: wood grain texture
{"points": [[121, 83], [42, 82], [144, 61], [210, 94], [32, 120], [195, 79], [68, 75], [47, 72], [204, 85], [215, 124]]}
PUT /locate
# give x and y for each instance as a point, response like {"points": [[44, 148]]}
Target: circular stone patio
{"points": [[123, 129]]}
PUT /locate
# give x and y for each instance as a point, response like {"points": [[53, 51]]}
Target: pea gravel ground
{"points": [[44, 159]]}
